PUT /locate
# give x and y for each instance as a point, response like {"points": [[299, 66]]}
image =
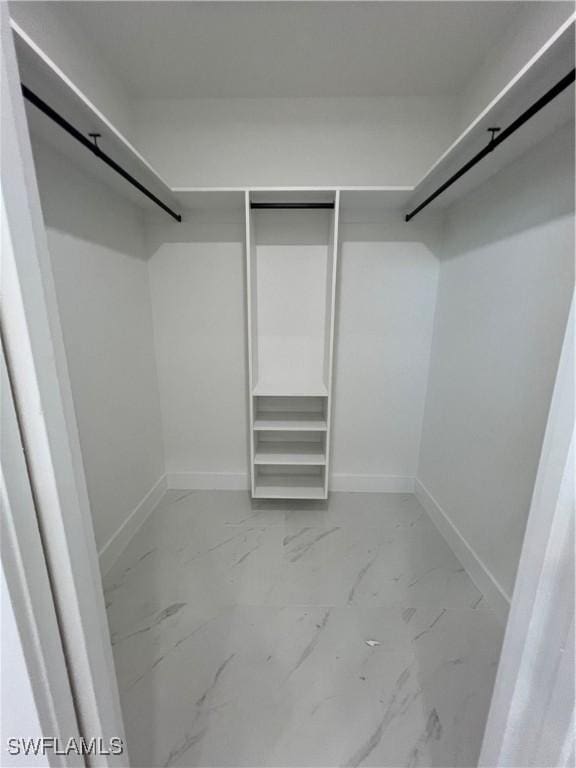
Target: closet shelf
{"points": [[293, 453], [549, 65], [290, 421], [289, 487], [283, 389], [42, 76], [354, 200]]}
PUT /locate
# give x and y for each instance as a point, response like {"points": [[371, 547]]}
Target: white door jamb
{"points": [[42, 395]]}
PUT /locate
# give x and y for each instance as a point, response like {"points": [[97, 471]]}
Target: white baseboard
{"points": [[372, 483], [483, 578], [120, 539], [208, 481]]}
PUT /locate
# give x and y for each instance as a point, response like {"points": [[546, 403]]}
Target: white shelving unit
{"points": [[291, 276]]}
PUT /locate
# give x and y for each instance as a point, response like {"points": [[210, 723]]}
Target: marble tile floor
{"points": [[280, 634]]}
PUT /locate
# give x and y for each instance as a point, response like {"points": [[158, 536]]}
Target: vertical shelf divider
{"points": [[251, 330], [330, 329]]}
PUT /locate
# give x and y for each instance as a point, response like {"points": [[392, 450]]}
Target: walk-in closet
{"points": [[312, 266]]}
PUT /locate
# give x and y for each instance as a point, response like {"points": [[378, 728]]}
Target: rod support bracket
{"points": [[493, 132], [95, 137]]}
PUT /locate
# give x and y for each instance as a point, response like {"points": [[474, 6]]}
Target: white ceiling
{"points": [[346, 49]]}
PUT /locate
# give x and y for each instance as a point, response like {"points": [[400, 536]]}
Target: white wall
{"points": [[291, 264], [503, 300], [198, 296], [288, 141], [384, 325], [386, 299], [97, 249]]}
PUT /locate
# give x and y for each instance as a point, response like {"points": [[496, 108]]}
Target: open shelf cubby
{"points": [[292, 267], [290, 448], [283, 482], [290, 414]]}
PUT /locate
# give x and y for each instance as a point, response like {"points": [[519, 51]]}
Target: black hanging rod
{"points": [[498, 138], [291, 206], [94, 148]]}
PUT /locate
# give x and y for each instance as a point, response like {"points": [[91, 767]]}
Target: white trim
{"points": [[483, 578], [372, 483], [208, 481], [119, 540]]}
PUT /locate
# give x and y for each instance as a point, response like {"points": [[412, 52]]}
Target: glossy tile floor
{"points": [[294, 634]]}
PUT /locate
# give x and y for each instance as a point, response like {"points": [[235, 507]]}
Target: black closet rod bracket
{"points": [[291, 206], [92, 146], [497, 137]]}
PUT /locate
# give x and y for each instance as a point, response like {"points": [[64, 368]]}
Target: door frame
{"points": [[40, 384], [30, 595], [532, 713]]}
